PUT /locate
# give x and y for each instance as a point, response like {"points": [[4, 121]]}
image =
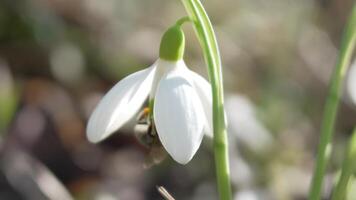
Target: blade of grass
{"points": [[332, 104]]}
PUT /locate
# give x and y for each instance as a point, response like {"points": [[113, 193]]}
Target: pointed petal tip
{"points": [[182, 160], [93, 139], [93, 134], [209, 134]]}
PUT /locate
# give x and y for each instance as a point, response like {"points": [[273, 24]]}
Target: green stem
{"points": [[182, 20], [209, 45], [332, 104], [348, 167]]}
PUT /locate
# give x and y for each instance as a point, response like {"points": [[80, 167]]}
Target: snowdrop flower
{"points": [[180, 98]]}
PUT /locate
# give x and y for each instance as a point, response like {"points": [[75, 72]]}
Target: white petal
{"points": [[179, 116], [120, 104], [162, 67], [203, 89]]}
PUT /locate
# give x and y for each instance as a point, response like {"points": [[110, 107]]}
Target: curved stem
{"points": [[182, 20], [207, 39], [331, 107], [348, 167]]}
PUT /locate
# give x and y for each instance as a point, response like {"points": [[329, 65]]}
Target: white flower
{"points": [[182, 109]]}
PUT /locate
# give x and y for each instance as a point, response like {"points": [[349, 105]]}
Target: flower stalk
{"points": [[348, 167], [207, 39], [332, 104]]}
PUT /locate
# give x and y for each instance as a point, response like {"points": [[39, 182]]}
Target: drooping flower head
{"points": [[180, 101]]}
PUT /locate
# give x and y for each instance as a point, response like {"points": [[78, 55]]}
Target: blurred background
{"points": [[59, 57]]}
